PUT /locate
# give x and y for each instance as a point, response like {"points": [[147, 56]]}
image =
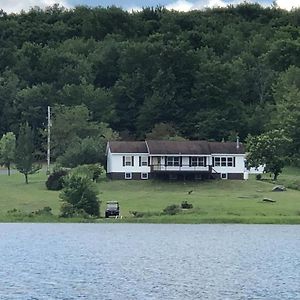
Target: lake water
{"points": [[142, 261]]}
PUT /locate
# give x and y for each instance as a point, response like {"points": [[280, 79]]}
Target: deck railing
{"points": [[183, 167]]}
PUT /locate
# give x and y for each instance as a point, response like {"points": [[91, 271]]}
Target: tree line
{"points": [[209, 74]]}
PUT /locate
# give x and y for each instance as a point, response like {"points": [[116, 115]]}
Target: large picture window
{"points": [[198, 161], [172, 161], [224, 161]]}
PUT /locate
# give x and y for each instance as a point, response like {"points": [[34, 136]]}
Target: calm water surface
{"points": [[132, 261]]}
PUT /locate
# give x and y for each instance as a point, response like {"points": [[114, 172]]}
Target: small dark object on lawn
{"points": [[279, 188], [112, 209], [268, 200], [189, 192], [186, 205]]}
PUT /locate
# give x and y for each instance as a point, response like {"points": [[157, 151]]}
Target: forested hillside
{"points": [[206, 74]]}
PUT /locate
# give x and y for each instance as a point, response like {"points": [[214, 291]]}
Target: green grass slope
{"points": [[218, 201]]}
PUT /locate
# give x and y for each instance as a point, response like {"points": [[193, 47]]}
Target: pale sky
{"points": [[180, 5]]}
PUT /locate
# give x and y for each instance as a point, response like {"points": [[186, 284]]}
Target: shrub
{"points": [[186, 205], [258, 177], [88, 150], [55, 180], [171, 210], [81, 193], [15, 212], [92, 171], [67, 210], [140, 214], [46, 211], [96, 170]]}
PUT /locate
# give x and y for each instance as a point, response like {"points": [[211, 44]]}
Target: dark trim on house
{"points": [[174, 175], [236, 176], [232, 176], [121, 176]]}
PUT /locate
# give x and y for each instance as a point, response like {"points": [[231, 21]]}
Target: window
{"points": [[144, 175], [224, 161], [128, 176], [144, 161], [128, 161], [173, 161], [198, 161], [223, 175]]}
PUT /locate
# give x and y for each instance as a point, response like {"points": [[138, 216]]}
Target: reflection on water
{"points": [[133, 261]]}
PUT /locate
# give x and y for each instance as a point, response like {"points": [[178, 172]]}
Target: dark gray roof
{"points": [[226, 148], [127, 147], [178, 147]]}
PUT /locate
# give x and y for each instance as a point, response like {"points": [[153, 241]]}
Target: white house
{"points": [[175, 160]]}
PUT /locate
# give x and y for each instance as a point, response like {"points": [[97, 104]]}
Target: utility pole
{"points": [[48, 140]]}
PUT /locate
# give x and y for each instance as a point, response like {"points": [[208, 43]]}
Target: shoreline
{"points": [[292, 220]]}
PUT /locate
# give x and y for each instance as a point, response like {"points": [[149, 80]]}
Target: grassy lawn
{"points": [[213, 201]]}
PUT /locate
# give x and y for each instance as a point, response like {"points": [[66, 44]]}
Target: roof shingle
{"points": [[127, 147], [176, 147]]}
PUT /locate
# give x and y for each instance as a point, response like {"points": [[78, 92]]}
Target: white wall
{"points": [[115, 163], [239, 164]]}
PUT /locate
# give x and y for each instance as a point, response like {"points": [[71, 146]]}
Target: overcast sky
{"points": [[181, 5]]}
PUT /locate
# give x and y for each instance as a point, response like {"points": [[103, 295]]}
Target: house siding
{"points": [[118, 164]]}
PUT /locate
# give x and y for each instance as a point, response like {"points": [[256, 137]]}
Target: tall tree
{"points": [[25, 152], [287, 114], [81, 193], [7, 150], [268, 149]]}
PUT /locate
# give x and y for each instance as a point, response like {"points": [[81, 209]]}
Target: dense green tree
{"points": [[9, 87], [287, 114], [81, 193], [72, 125], [7, 150], [25, 151], [89, 150], [268, 149], [209, 72], [164, 131]]}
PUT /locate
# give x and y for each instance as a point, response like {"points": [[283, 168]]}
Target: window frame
{"points": [[144, 161], [173, 161], [224, 161], [224, 177], [128, 163], [198, 161], [219, 162], [146, 177], [130, 175], [230, 161]]}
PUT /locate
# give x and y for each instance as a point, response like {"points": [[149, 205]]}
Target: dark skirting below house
{"points": [[175, 176], [128, 176]]}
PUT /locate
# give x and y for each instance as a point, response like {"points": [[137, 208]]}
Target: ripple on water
{"points": [[140, 261]]}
